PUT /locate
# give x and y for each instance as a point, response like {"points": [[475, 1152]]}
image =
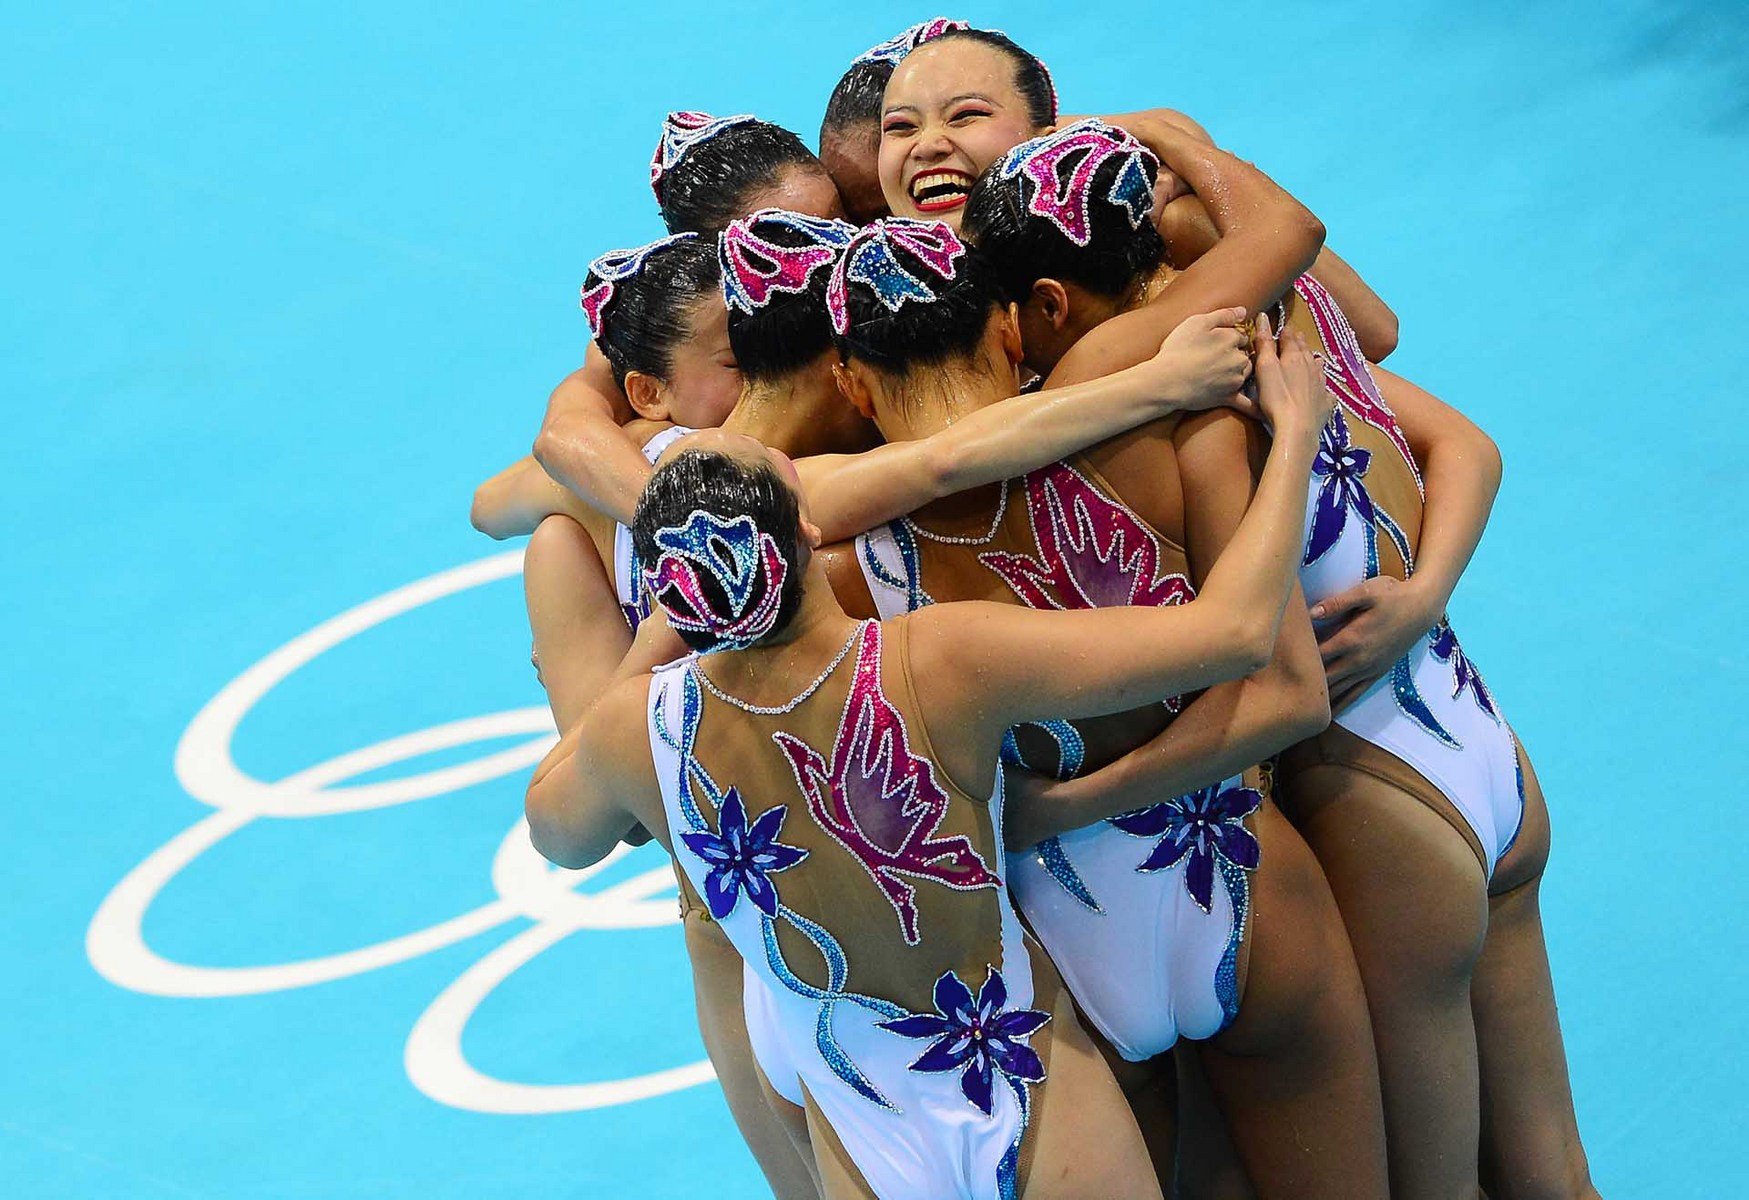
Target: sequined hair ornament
{"points": [[614, 268], [754, 267], [894, 49], [681, 133], [743, 562], [869, 260], [1083, 147]]}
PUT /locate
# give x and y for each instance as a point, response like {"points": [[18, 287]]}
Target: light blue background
{"points": [[282, 283]]}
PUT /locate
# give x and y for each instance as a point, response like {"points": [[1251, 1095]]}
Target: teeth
{"points": [[947, 182]]}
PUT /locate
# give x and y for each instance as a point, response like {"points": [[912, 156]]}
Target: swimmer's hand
{"points": [[1363, 631], [1289, 383], [1205, 362]]}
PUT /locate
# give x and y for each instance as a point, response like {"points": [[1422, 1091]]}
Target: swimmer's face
{"points": [[951, 109], [851, 155], [704, 381], [806, 190]]}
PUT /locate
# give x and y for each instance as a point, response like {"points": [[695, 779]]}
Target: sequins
{"points": [[742, 561], [870, 260], [615, 267], [894, 49], [755, 267], [1037, 168], [682, 132]]}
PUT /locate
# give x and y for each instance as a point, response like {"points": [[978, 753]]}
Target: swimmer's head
{"points": [[724, 540], [709, 170], [656, 313], [775, 267], [850, 133], [1066, 221], [910, 295], [953, 107]]}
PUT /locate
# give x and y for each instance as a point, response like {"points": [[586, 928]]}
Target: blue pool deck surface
{"points": [[282, 283]]}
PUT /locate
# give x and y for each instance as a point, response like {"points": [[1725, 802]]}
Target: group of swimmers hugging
{"points": [[990, 559]]}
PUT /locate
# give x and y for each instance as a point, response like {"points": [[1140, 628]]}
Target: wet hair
{"points": [[647, 313], [775, 268], [1032, 79], [1034, 216], [898, 302], [711, 181], [720, 537], [857, 98]]}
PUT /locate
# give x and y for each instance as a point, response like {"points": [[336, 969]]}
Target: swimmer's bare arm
{"points": [[1199, 365], [580, 637], [1097, 661], [1268, 240], [1228, 728], [580, 443], [1189, 233], [598, 784], [1376, 622], [518, 498]]}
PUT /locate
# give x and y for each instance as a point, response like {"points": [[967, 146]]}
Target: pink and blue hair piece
{"points": [[614, 268], [894, 49], [755, 268], [1067, 203], [743, 562], [681, 133], [870, 260]]}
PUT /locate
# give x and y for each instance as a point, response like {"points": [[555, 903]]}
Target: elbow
{"points": [[1309, 231], [546, 447], [1489, 465], [1381, 335], [483, 513], [547, 837]]}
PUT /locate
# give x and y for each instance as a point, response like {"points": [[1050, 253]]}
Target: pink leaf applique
{"points": [[881, 802]]}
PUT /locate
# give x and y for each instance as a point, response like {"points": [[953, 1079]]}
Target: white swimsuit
{"points": [[1431, 710], [922, 1107], [1145, 914]]}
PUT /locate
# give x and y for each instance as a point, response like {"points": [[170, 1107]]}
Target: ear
{"points": [[648, 396], [1012, 345], [852, 381], [810, 535], [1052, 301]]}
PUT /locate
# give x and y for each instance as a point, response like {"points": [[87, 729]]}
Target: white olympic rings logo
{"points": [[527, 886]]}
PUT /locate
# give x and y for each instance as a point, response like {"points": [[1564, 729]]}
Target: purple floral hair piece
{"points": [[869, 260], [741, 559], [613, 268], [1067, 203], [895, 48], [681, 131], [754, 267]]}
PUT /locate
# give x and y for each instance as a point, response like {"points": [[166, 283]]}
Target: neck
{"points": [[817, 631], [927, 400], [800, 414]]}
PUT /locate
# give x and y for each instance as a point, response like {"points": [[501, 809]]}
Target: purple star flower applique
{"points": [[1463, 672], [1340, 469], [984, 1037], [1208, 822], [741, 857]]}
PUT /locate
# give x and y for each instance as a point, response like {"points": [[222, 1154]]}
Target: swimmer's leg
{"points": [[760, 1113], [1085, 1144], [1530, 1136], [1151, 1092], [1295, 1074], [1208, 1162], [1412, 894]]}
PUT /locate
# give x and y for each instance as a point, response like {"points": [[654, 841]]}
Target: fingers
{"points": [[1360, 596], [1231, 317], [1245, 405]]}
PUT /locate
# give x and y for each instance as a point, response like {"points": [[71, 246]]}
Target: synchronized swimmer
{"points": [[990, 559]]}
